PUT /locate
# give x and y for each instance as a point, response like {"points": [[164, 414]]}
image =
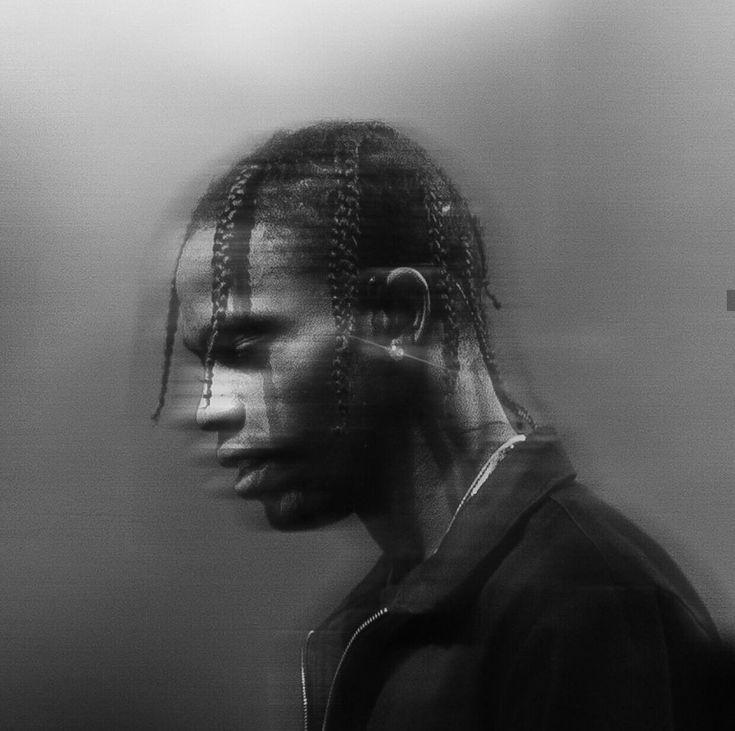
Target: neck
{"points": [[424, 478]]}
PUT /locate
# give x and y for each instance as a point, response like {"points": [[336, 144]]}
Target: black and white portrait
{"points": [[432, 309]]}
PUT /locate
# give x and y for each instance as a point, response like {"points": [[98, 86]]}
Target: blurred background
{"points": [[597, 142]]}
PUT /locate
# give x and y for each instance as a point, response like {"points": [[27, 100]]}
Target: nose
{"points": [[224, 411]]}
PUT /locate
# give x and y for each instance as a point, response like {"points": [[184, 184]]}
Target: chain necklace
{"points": [[482, 476]]}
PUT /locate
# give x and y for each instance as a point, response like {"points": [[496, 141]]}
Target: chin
{"points": [[295, 510], [316, 490]]}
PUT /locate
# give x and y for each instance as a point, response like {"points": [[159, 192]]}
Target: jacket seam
{"points": [[659, 590], [611, 572]]}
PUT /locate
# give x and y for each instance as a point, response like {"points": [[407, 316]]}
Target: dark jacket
{"points": [[543, 608]]}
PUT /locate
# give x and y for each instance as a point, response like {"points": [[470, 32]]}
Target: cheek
{"points": [[301, 381]]}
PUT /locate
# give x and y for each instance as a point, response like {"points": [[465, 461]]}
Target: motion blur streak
{"points": [[595, 141]]}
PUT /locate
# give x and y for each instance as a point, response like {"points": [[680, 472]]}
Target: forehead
{"points": [[287, 275]]}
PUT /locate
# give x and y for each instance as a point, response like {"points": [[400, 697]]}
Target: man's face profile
{"points": [[272, 403], [326, 350]]}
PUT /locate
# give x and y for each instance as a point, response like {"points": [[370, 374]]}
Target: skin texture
{"points": [[268, 397], [408, 454]]}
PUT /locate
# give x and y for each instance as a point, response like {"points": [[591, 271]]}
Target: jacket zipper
{"points": [[304, 697], [372, 618]]}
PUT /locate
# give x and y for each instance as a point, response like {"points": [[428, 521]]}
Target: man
{"points": [[332, 285]]}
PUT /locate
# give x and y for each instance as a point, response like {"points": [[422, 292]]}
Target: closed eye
{"points": [[242, 342], [250, 349], [241, 351]]}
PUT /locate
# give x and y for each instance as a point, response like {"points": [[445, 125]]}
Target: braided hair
{"points": [[381, 203], [343, 266]]}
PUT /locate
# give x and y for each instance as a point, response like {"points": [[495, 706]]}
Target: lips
{"points": [[249, 482], [269, 472], [261, 472], [269, 478], [251, 463], [298, 487]]}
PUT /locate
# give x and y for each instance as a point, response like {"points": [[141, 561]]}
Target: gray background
{"points": [[594, 138]]}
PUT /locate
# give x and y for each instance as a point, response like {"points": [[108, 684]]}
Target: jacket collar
{"points": [[477, 536]]}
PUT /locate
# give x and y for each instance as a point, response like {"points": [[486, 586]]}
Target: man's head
{"points": [[327, 284]]}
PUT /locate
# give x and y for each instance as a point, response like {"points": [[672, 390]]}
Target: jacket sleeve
{"points": [[607, 658]]}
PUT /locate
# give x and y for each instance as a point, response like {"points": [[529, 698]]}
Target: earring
{"points": [[396, 349]]}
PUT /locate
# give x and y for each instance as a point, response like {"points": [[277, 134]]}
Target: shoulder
{"points": [[632, 558], [591, 617], [579, 558]]}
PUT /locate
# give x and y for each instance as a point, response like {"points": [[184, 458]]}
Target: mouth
{"points": [[307, 472], [297, 489], [260, 470], [249, 483]]}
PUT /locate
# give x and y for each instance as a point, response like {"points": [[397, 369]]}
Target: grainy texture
{"points": [[596, 142]]}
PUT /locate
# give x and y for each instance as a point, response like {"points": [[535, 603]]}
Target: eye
{"points": [[240, 350], [241, 343], [244, 343], [244, 347]]}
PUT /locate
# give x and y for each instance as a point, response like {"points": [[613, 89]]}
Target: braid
{"points": [[474, 304], [439, 252], [222, 269], [172, 324], [343, 272], [480, 249]]}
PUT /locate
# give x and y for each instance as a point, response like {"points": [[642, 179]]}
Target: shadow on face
{"points": [[273, 404]]}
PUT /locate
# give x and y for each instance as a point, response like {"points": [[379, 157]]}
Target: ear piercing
{"points": [[395, 350]]}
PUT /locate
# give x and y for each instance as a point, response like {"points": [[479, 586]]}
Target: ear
{"points": [[404, 305]]}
